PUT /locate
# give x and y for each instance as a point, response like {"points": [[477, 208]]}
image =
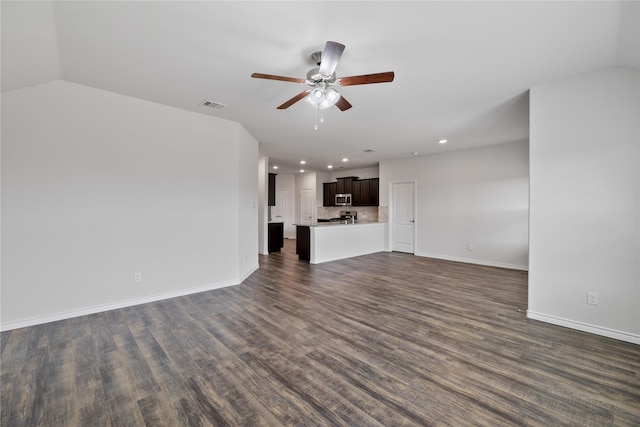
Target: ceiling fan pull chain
{"points": [[315, 127], [321, 116]]}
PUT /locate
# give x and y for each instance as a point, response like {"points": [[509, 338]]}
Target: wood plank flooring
{"points": [[387, 339]]}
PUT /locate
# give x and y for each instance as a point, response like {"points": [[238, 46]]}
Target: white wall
{"points": [[585, 203], [30, 51], [248, 203], [477, 196], [263, 213], [97, 186], [362, 173]]}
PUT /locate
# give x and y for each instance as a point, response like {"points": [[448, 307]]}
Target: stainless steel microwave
{"points": [[343, 199]]}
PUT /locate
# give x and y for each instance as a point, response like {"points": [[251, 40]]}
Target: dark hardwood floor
{"points": [[386, 339]]}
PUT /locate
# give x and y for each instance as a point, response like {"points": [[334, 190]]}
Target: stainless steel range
{"points": [[349, 216]]}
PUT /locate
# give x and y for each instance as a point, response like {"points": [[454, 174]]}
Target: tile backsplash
{"points": [[383, 213], [365, 213]]}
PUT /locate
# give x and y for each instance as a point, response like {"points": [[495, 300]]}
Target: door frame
{"points": [[415, 213]]}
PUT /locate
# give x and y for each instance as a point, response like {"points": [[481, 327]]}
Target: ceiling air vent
{"points": [[368, 150], [212, 104]]}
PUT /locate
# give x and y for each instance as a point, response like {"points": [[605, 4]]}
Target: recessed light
{"points": [[302, 162], [330, 167], [301, 170], [442, 141], [415, 153], [345, 160], [275, 167]]}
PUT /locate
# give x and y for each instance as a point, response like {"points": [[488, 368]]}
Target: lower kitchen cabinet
{"points": [[303, 242], [276, 236]]}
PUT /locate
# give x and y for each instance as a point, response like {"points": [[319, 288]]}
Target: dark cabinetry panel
{"points": [[374, 191], [345, 185], [272, 190], [276, 236], [366, 192], [361, 192], [329, 193], [303, 242]]}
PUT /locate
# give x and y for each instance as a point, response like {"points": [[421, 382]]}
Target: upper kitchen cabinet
{"points": [[360, 193], [374, 191], [329, 193], [345, 185], [366, 192], [272, 190]]}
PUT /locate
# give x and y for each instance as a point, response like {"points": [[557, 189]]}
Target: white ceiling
{"points": [[462, 69]]}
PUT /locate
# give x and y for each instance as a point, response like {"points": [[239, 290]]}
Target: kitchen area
{"points": [[343, 221]]}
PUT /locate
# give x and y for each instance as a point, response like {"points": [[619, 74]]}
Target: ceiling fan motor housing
{"points": [[314, 77]]}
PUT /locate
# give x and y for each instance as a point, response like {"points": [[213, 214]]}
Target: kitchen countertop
{"points": [[340, 224]]}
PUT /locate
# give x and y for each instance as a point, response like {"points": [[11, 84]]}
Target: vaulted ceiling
{"points": [[462, 69]]}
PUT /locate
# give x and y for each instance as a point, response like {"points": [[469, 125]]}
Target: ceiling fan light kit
{"points": [[321, 79], [323, 97]]}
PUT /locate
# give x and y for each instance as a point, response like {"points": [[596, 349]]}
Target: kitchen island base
{"points": [[338, 241]]}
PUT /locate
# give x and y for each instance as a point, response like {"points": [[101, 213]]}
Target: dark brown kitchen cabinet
{"points": [[276, 236], [366, 192], [303, 242], [271, 196], [345, 185], [360, 193], [329, 193], [374, 192]]}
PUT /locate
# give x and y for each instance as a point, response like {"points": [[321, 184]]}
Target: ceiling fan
{"points": [[322, 79]]}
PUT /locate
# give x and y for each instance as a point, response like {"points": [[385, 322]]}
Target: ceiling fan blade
{"points": [[330, 58], [343, 104], [295, 99], [366, 79], [273, 77]]}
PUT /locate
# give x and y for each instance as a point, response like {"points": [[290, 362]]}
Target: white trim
{"points": [[113, 306], [390, 213], [585, 327], [249, 273], [476, 261]]}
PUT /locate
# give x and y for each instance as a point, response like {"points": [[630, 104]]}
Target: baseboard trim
{"points": [[585, 327], [476, 261], [116, 305], [249, 273]]}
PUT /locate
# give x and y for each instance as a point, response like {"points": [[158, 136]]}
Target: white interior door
{"points": [[282, 212], [402, 216], [306, 206]]}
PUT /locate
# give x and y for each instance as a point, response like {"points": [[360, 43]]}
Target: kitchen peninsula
{"points": [[330, 241]]}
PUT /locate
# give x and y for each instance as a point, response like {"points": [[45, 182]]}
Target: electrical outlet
{"points": [[470, 247], [137, 278], [592, 298]]}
